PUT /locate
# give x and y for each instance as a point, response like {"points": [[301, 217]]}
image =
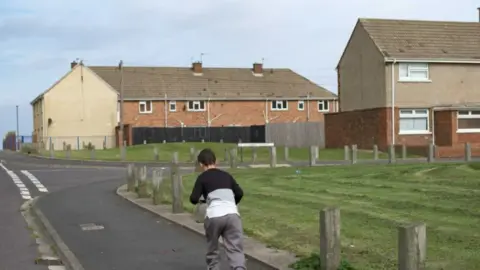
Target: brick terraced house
{"points": [[86, 99], [409, 82]]}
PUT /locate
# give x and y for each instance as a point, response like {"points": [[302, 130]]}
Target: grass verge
{"points": [[281, 208], [145, 153]]}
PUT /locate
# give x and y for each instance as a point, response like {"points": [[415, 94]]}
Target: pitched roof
{"points": [[216, 83], [410, 39]]}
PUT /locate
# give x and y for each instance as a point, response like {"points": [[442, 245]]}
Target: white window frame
{"points": [[325, 106], [409, 68], [174, 104], [144, 103], [279, 105], [414, 113], [301, 105], [199, 103], [469, 115]]}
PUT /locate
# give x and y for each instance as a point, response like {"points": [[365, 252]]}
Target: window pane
{"points": [[421, 112], [418, 66], [413, 124], [274, 104], [403, 70], [202, 105], [142, 107], [475, 112], [149, 105], [406, 112], [190, 105], [284, 104], [469, 123], [418, 74]]}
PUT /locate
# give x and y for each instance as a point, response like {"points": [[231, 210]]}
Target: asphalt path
{"points": [[79, 196]]}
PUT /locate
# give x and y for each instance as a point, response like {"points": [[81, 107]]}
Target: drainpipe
{"points": [[266, 110], [166, 111], [433, 125], [208, 112], [308, 107], [393, 101]]}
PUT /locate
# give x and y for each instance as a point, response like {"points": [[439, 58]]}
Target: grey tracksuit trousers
{"points": [[230, 228]]}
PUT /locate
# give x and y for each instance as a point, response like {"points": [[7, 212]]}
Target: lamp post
{"points": [[18, 131]]}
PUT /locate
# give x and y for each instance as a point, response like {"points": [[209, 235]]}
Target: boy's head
{"points": [[206, 159]]}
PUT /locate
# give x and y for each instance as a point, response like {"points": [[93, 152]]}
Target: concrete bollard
{"points": [[52, 151], [354, 154], [404, 151], [375, 152], [468, 152], [123, 151], [273, 157], [317, 152], [156, 155], [92, 153], [346, 152], [286, 153], [391, 154], [311, 157], [221, 140], [431, 153], [68, 153], [412, 246], [142, 182], [254, 154], [157, 193], [131, 177], [203, 140], [233, 158], [192, 154]]}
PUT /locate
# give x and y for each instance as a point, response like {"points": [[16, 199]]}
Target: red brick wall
{"points": [[224, 113], [363, 128]]}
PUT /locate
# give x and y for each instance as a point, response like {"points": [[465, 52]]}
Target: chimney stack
{"points": [[257, 68], [73, 64], [197, 67]]}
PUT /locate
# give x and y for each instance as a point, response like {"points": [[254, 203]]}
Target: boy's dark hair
{"points": [[207, 157]]}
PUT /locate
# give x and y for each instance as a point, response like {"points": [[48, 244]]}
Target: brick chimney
{"points": [[257, 68], [197, 67], [73, 64]]}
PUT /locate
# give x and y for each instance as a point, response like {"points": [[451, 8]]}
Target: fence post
{"points": [[156, 156], [354, 154], [468, 152], [346, 152], [52, 151], [286, 153], [273, 157], [375, 152], [330, 239], [157, 179], [241, 154], [404, 151], [142, 182], [412, 246], [123, 152], [92, 153], [311, 157], [68, 153], [176, 178], [225, 156], [192, 154], [130, 177], [254, 154], [233, 158], [391, 154], [431, 154]]}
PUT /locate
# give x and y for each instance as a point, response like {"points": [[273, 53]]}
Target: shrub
{"points": [[29, 148]]}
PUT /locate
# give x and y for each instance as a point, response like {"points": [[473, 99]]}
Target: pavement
{"points": [[102, 230]]}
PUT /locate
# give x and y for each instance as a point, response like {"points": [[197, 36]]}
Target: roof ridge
{"points": [[418, 20]]}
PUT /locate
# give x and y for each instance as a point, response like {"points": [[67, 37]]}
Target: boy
{"points": [[222, 195]]}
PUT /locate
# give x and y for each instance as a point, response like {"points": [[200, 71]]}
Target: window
{"points": [[301, 105], [468, 121], [279, 105], [323, 106], [196, 106], [414, 121], [172, 105], [413, 72], [145, 106]]}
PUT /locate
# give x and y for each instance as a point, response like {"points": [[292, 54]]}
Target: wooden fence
{"points": [[300, 134]]}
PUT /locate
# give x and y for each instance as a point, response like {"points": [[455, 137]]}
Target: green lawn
{"points": [[145, 153], [281, 208]]}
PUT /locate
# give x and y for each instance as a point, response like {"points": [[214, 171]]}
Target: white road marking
{"points": [[23, 191], [35, 181]]}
